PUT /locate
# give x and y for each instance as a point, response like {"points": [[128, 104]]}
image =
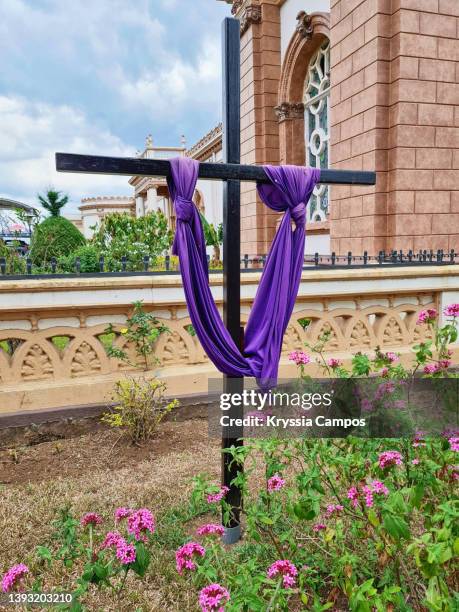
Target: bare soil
{"points": [[81, 447]]}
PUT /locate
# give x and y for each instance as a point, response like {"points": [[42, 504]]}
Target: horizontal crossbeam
{"points": [[134, 166]]}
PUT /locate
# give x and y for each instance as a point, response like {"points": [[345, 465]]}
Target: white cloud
{"points": [[32, 132], [177, 87]]}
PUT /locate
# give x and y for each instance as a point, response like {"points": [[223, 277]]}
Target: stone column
{"points": [[260, 73], [291, 133], [139, 206], [151, 203]]}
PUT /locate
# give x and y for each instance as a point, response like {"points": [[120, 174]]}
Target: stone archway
{"points": [[311, 31]]}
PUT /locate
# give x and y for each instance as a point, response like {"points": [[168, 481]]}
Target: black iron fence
{"points": [[169, 264]]}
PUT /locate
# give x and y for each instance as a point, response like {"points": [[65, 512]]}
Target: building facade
{"points": [[363, 85]]}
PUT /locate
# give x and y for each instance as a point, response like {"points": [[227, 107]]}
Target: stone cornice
{"points": [[289, 110], [209, 143]]}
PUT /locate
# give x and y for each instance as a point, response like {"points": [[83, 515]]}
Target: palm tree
{"points": [[53, 202]]}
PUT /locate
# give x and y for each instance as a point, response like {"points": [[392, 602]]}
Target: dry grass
{"points": [[26, 513]]}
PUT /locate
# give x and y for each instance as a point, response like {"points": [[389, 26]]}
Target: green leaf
{"points": [[396, 527]]}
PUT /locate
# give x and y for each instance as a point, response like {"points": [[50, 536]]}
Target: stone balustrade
{"points": [[52, 351]]}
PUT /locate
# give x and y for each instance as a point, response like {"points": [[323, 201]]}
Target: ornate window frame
{"points": [[317, 125]]}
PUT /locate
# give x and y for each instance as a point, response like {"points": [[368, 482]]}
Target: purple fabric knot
{"points": [[288, 189], [298, 214], [184, 209]]}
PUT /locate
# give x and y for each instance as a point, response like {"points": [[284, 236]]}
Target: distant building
{"points": [[152, 194]]}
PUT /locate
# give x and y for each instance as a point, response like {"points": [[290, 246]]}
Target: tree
{"points": [[52, 201], [213, 236]]}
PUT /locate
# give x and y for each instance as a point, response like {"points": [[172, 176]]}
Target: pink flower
{"points": [[378, 487], [452, 310], [112, 538], [319, 527], [286, 569], [91, 518], [374, 487], [384, 372], [121, 513], [415, 462], [213, 598], [334, 363], [216, 497], [353, 495], [13, 576], [299, 357], [211, 529], [125, 552], [454, 444], [427, 316], [444, 363], [392, 357], [334, 509], [275, 483], [139, 522], [431, 368], [184, 556], [389, 458]]}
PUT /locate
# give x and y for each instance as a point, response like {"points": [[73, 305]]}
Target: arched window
{"points": [[317, 128]]}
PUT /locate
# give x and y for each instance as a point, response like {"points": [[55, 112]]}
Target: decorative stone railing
{"points": [[52, 355]]}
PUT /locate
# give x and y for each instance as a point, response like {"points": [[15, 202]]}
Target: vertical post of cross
{"points": [[231, 256]]}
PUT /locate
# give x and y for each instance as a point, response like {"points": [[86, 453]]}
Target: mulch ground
{"points": [[79, 448]]}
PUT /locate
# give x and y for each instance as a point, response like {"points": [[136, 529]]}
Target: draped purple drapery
{"points": [[289, 191]]}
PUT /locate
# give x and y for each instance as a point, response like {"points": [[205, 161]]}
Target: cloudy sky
{"points": [[96, 76]]}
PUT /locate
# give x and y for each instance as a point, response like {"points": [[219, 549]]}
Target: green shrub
{"points": [[121, 235], [89, 260], [54, 237], [15, 264]]}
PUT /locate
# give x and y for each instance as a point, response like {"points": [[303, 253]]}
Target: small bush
{"points": [[54, 237], [140, 406], [89, 260]]}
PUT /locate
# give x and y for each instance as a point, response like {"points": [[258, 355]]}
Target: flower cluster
{"points": [[454, 444], [122, 513], [184, 556], [91, 518], [427, 316], [319, 527], [452, 310], [299, 357], [433, 368], [375, 487], [212, 597], [392, 357], [140, 522], [334, 363], [125, 552], [13, 576], [213, 498], [211, 529], [286, 569], [334, 509], [275, 483], [389, 458]]}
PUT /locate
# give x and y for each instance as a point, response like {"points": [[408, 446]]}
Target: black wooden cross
{"points": [[231, 172]]}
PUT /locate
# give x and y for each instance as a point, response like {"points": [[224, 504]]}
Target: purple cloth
{"points": [[289, 191]]}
